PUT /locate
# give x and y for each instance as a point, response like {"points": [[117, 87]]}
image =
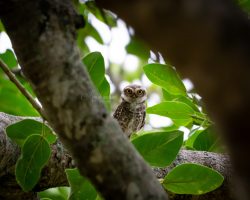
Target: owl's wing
{"points": [[143, 120], [118, 112], [120, 116]]}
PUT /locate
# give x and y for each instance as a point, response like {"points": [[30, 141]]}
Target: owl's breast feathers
{"points": [[131, 117]]}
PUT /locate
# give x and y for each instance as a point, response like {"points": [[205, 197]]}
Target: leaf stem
{"points": [[22, 89], [202, 119]]}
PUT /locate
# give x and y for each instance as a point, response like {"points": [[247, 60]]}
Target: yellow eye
{"points": [[129, 91], [140, 92]]}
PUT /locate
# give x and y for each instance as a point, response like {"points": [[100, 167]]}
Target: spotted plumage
{"points": [[131, 112]]}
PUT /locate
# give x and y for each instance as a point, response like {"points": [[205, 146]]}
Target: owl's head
{"points": [[134, 94]]}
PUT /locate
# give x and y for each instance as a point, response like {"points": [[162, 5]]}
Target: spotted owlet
{"points": [[131, 112]]}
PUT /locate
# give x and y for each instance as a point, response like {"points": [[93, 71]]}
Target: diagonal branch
{"points": [[22, 89]]}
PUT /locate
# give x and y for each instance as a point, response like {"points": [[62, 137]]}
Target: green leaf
{"points": [[82, 45], [159, 149], [81, 8], [1, 26], [9, 58], [187, 101], [93, 33], [35, 154], [192, 179], [12, 101], [20, 131], [166, 77], [180, 113], [138, 48], [190, 141], [167, 96], [89, 30], [206, 140], [201, 119], [81, 188], [179, 98], [58, 193], [104, 90], [96, 68]]}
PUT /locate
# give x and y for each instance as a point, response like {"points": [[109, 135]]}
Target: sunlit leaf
{"points": [[159, 148], [104, 90], [166, 77], [96, 68], [193, 179], [82, 44], [89, 31], [180, 113], [179, 98], [9, 58], [206, 140], [1, 26], [58, 193], [35, 154], [12, 101], [20, 131], [190, 141]]}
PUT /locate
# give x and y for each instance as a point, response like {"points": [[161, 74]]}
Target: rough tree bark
{"points": [[53, 174], [207, 41], [43, 37]]}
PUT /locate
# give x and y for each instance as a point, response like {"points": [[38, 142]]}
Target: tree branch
{"points": [[22, 89], [49, 58], [53, 174]]}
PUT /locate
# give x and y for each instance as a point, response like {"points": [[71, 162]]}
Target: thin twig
{"points": [[22, 89]]}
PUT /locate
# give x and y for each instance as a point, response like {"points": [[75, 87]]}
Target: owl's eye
{"points": [[140, 92], [129, 91]]}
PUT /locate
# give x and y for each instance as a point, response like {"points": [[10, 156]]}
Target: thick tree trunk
{"points": [[53, 175], [207, 41], [43, 37]]}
